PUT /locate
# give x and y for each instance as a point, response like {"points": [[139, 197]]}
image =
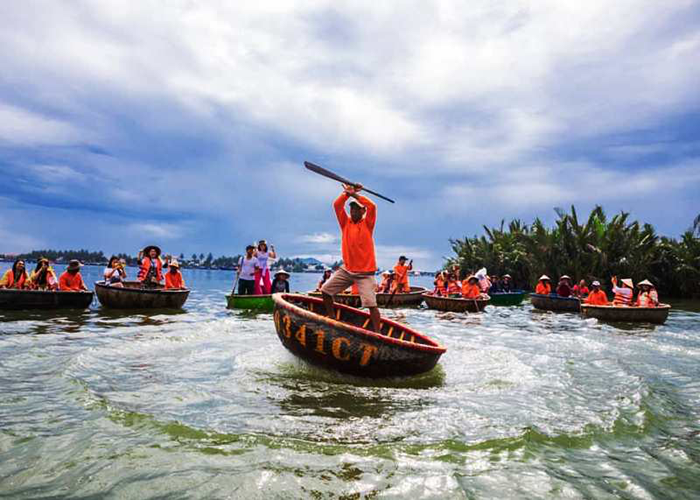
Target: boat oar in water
{"points": [[327, 173]]}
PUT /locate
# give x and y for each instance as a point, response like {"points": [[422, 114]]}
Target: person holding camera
{"points": [[115, 273], [43, 276]]}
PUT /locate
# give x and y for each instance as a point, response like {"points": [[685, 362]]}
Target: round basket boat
{"points": [[657, 315], [40, 299], [555, 303], [414, 298], [132, 296], [344, 343], [450, 304], [262, 303], [514, 298]]}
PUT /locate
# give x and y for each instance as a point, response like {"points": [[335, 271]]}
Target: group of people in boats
{"points": [[623, 291], [150, 274], [395, 280], [456, 283], [43, 277], [254, 272]]}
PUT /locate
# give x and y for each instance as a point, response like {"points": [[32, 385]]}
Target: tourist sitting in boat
{"points": [[564, 286], [387, 281], [401, 271], [495, 284], [453, 285], [262, 272], [16, 277], [544, 286], [71, 279], [246, 272], [440, 283], [581, 289], [507, 285], [43, 277], [115, 273], [470, 288], [281, 282], [151, 268], [173, 278], [596, 297], [326, 276], [648, 296], [623, 294]]}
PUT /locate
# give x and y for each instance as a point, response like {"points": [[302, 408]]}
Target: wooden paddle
{"points": [[327, 173]]}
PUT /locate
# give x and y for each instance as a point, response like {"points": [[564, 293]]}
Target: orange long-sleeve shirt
{"points": [[357, 242], [71, 282], [597, 298], [401, 273], [543, 288], [470, 290], [174, 280]]}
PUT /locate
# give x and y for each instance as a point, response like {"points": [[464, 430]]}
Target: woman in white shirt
{"points": [[247, 270], [262, 273], [114, 273]]}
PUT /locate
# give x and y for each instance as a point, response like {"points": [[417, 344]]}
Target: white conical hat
{"points": [[645, 282], [544, 277], [565, 277], [628, 282], [595, 283]]}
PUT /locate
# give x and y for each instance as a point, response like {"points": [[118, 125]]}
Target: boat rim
{"points": [[422, 290], [556, 297], [76, 292], [282, 302], [460, 299], [627, 308], [101, 284]]}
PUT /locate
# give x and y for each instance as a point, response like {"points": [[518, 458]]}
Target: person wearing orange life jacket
{"points": [[623, 294], [543, 286], [173, 278], [151, 267], [43, 277], [470, 288], [440, 283], [71, 280], [454, 287], [648, 297], [401, 271], [16, 277], [386, 284], [597, 296]]}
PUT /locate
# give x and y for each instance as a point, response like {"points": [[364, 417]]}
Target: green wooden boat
{"points": [[262, 303], [507, 298]]}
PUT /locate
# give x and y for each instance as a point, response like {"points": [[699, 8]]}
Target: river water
{"points": [[206, 403]]}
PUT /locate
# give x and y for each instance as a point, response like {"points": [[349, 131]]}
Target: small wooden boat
{"points": [[346, 345], [555, 303], [40, 299], [455, 304], [132, 296], [262, 303], [507, 298], [656, 315], [414, 298]]}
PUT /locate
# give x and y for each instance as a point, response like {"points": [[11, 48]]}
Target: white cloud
{"points": [[319, 238], [22, 127], [156, 230]]}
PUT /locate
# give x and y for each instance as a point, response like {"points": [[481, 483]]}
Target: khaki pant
{"points": [[342, 279]]}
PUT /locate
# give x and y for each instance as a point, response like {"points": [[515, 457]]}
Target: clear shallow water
{"points": [[206, 403]]}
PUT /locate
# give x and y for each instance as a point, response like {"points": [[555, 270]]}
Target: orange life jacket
{"points": [[146, 266], [453, 287], [597, 298], [622, 299], [470, 291], [543, 288], [9, 280], [648, 299], [174, 280], [71, 282]]}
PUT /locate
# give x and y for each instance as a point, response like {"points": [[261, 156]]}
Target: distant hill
{"points": [[310, 261]]}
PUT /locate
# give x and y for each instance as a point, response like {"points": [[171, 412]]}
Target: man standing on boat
{"points": [[359, 262]]}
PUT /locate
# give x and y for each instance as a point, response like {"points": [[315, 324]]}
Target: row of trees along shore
{"points": [[595, 248], [196, 261]]}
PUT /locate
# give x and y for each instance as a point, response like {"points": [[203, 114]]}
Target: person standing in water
{"points": [[359, 261]]}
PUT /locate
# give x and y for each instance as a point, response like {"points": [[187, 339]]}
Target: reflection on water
{"points": [[206, 403]]}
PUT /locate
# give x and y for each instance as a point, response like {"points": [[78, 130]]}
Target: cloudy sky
{"points": [[187, 123]]}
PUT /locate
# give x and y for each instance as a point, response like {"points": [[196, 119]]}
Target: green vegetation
{"points": [[598, 248]]}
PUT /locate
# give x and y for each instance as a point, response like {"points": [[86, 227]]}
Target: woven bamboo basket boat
{"points": [[40, 299], [555, 303], [262, 303], [507, 298], [132, 296], [414, 298], [344, 343], [450, 304], [613, 314]]}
